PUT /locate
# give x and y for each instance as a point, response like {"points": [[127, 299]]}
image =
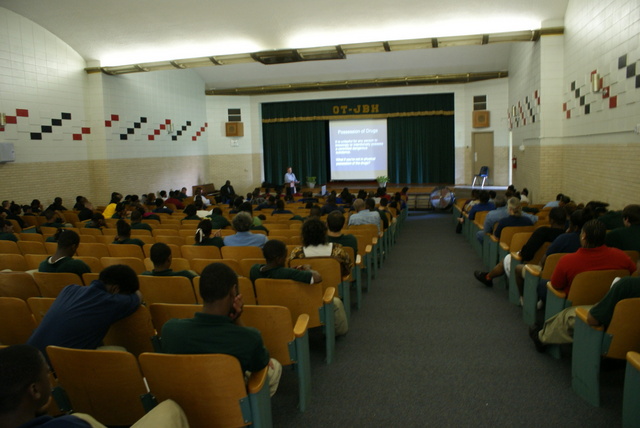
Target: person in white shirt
{"points": [[290, 181]]}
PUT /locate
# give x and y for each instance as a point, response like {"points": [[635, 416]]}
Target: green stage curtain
{"points": [[421, 149], [300, 145]]}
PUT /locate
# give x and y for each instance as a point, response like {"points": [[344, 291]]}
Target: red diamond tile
{"points": [[107, 123], [151, 137], [613, 101], [194, 138], [77, 137], [1, 128], [163, 126], [564, 106], [568, 114], [115, 117], [206, 124], [12, 119], [202, 129], [156, 131], [86, 130], [198, 133], [167, 121], [21, 112]]}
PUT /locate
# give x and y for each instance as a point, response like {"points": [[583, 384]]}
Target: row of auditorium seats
{"points": [[621, 338]]}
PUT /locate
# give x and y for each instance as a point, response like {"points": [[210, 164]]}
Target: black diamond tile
{"points": [[46, 129], [124, 137], [582, 100], [136, 125], [66, 116], [573, 86], [179, 132], [130, 130], [188, 123], [174, 138], [638, 81], [631, 70], [56, 122], [36, 136], [143, 119], [184, 128], [577, 92], [587, 109], [622, 61]]}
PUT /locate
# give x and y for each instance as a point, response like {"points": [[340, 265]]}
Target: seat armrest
{"points": [[257, 380], [504, 246], [302, 323], [558, 293], [634, 359], [515, 255], [583, 314], [534, 270], [329, 294]]}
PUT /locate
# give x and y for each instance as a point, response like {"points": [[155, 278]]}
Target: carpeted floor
{"points": [[433, 347]]}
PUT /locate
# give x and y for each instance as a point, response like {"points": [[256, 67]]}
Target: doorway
{"points": [[482, 146]]}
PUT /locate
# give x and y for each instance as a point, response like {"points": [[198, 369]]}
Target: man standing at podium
{"points": [[290, 181]]}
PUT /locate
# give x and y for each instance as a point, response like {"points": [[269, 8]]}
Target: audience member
{"points": [[124, 234], [242, 223], [62, 260], [218, 221], [218, 329], [191, 212], [363, 215], [110, 210], [57, 205], [627, 237], [6, 233], [335, 223], [515, 217], [203, 235], [162, 258], [136, 220], [160, 208]]}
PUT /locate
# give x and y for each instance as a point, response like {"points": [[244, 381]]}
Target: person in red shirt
{"points": [[593, 255]]}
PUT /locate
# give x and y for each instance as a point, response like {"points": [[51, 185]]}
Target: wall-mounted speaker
{"points": [[480, 119], [234, 129]]}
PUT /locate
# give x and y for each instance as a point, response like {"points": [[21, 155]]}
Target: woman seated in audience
{"points": [[315, 244], [6, 233], [36, 207], [14, 214], [257, 220], [121, 211], [204, 232], [124, 234], [84, 208], [110, 210]]}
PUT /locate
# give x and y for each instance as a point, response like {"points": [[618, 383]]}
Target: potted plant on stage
{"points": [[311, 182], [382, 181]]}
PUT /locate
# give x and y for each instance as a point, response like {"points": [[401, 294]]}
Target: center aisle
{"points": [[433, 347]]}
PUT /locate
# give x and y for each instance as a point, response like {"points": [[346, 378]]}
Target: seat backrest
{"points": [[105, 384], [125, 250], [518, 240], [191, 252], [588, 288], [93, 262], [247, 264], [16, 321], [550, 264], [33, 260], [134, 263], [18, 284], [32, 247], [93, 249], [484, 171], [507, 233], [166, 289], [52, 283], [633, 255], [327, 267], [165, 230], [169, 239], [232, 263], [31, 237], [15, 262], [245, 287], [134, 332], [299, 298], [239, 253], [540, 253], [163, 312], [90, 231], [276, 326], [624, 329], [9, 247], [217, 378], [39, 306]]}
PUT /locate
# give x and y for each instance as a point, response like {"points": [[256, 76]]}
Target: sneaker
{"points": [[533, 334], [539, 305], [482, 277]]}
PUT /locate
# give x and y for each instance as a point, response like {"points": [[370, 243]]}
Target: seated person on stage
{"points": [[275, 254], [62, 260], [161, 258], [363, 215], [25, 396], [124, 234], [335, 223], [6, 233], [136, 220], [204, 232], [557, 218], [218, 329], [314, 239], [218, 221], [628, 237], [593, 255], [559, 328], [81, 315], [242, 223]]}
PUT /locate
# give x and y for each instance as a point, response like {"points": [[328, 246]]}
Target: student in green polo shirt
{"points": [[124, 234], [161, 258], [62, 260]]}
